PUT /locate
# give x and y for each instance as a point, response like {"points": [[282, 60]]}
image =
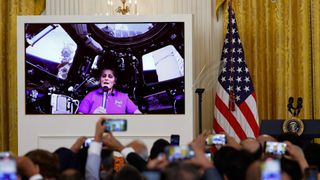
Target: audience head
{"points": [[291, 168], [128, 172], [181, 171], [253, 147], [67, 159], [47, 161], [232, 163], [265, 137], [71, 174], [312, 154], [158, 147], [140, 148]]}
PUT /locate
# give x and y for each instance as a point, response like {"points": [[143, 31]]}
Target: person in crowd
{"points": [[113, 102], [128, 172], [71, 174], [265, 137], [312, 154], [252, 146], [158, 147], [47, 162], [27, 169], [140, 148]]}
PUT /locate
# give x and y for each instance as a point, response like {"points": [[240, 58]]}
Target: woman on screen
{"points": [[106, 99]]}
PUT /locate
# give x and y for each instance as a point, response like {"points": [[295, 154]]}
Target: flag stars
{"points": [[238, 79], [246, 70], [230, 79], [233, 20], [225, 50], [246, 88], [233, 41], [239, 41], [239, 50], [231, 69], [247, 79], [223, 78], [224, 60], [239, 70], [233, 50], [230, 88], [232, 60], [238, 98], [233, 30], [224, 69], [238, 88], [226, 41]]}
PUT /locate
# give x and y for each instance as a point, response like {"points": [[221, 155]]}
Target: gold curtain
{"points": [[9, 10], [316, 56], [277, 37]]}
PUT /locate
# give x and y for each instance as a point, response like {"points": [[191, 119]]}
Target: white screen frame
{"points": [[48, 131]]}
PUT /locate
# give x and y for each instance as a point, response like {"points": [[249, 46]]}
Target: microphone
{"points": [[299, 105], [290, 104], [105, 94]]}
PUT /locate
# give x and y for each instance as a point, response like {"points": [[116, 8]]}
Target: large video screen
{"points": [[104, 68]]}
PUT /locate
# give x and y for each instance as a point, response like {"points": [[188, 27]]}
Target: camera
{"points": [[175, 153], [115, 125], [275, 148], [219, 139], [8, 168]]}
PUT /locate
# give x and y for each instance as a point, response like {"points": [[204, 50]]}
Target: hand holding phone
{"points": [[115, 125], [87, 142], [175, 153], [277, 149], [216, 139]]}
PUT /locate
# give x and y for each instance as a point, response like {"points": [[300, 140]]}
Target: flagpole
{"points": [[199, 91]]}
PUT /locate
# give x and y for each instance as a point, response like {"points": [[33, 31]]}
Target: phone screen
{"points": [[87, 142], [175, 139], [271, 169], [116, 125], [216, 139], [8, 167], [275, 148], [175, 153]]}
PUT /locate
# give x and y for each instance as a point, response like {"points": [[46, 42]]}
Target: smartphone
{"points": [[275, 148], [8, 167], [271, 169], [311, 173], [214, 139], [175, 139], [175, 153], [87, 142], [115, 125]]}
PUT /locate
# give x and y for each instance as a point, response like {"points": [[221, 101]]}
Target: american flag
{"points": [[235, 110]]}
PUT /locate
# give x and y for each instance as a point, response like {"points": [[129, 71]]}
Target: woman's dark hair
{"points": [[47, 161]]}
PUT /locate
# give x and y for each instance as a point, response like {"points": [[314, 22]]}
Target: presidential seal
{"points": [[293, 125]]}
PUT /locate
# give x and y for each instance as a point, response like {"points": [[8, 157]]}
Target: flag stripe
{"points": [[230, 118], [247, 112], [241, 119]]}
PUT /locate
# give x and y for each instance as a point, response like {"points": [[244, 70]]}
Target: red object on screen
{"points": [[235, 110]]}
